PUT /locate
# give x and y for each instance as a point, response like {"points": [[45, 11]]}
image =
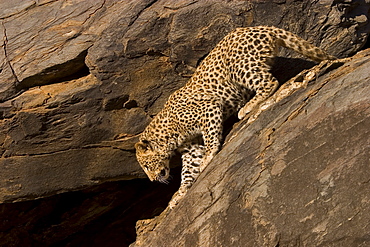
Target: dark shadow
{"points": [[286, 68], [103, 215], [367, 44], [70, 70]]}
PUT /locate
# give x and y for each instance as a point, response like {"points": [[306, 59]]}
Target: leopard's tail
{"points": [[292, 41]]}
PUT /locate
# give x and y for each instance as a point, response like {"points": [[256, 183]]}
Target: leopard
{"points": [[233, 79]]}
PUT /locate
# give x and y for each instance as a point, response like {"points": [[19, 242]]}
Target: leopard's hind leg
{"points": [[267, 85]]}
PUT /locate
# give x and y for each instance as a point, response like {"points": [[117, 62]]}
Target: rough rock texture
{"points": [[138, 52], [80, 79], [296, 176], [75, 133]]}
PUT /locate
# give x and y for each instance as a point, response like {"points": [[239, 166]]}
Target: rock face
{"points": [[79, 80], [124, 59], [297, 175]]}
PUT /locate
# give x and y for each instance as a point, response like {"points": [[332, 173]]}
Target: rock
{"points": [[296, 175], [52, 144], [79, 80], [49, 46], [82, 77]]}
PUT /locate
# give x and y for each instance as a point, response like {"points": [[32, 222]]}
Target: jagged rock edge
{"points": [[57, 73]]}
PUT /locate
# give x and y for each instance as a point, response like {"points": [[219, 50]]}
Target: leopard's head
{"points": [[155, 164]]}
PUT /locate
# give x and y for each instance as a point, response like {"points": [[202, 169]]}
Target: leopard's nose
{"points": [[163, 173]]}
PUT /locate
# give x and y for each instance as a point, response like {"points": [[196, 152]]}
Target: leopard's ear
{"points": [[143, 146]]}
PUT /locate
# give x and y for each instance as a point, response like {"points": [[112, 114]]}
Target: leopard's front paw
{"points": [[244, 111], [175, 200], [172, 204]]}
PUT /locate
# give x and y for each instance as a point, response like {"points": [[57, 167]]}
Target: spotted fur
{"points": [[192, 156], [221, 86]]}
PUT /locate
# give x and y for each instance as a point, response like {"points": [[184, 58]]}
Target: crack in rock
{"points": [[5, 43]]}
